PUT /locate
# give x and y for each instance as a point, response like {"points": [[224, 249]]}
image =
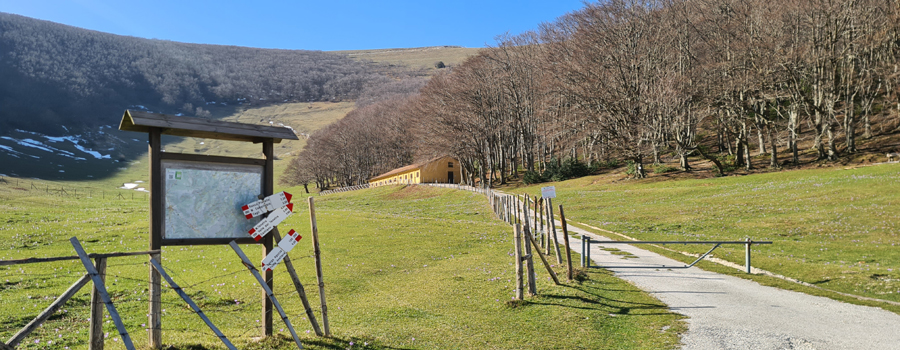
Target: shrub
{"points": [[532, 177], [630, 168], [570, 168], [662, 168]]}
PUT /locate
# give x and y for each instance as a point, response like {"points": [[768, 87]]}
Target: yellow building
{"points": [[438, 170]]}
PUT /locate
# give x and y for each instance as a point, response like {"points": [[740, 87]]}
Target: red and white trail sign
{"points": [[288, 242], [278, 253], [273, 259], [266, 205], [276, 217]]}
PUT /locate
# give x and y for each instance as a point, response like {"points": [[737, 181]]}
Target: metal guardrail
{"points": [[586, 252]]}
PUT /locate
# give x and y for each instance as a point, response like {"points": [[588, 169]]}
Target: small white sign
{"points": [[288, 242], [273, 259], [266, 205], [548, 192], [265, 225]]}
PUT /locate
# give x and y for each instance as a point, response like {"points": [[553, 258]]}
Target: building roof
{"points": [[406, 168], [197, 127]]}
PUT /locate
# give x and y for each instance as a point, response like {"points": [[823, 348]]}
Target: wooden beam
{"points": [[212, 159], [205, 128], [95, 331], [318, 255], [249, 265], [73, 257], [268, 241], [98, 284], [289, 266], [154, 312], [191, 303], [43, 316]]}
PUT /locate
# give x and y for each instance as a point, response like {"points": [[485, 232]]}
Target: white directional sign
{"points": [[288, 242], [273, 259], [278, 253], [276, 217], [266, 205], [548, 192]]}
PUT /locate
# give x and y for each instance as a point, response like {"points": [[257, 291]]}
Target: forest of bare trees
{"points": [[633, 80]]}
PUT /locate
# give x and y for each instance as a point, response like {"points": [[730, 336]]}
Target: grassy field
{"points": [[421, 58], [405, 268], [834, 228]]}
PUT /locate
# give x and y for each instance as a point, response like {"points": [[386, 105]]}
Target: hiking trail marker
{"points": [[218, 187]]}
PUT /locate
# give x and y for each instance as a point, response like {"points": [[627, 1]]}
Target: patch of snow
{"points": [[62, 171], [15, 153], [91, 152], [202, 143], [139, 181], [135, 140], [179, 114], [141, 189], [129, 186]]}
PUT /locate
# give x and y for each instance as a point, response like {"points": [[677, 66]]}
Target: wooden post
{"points": [[289, 266], [98, 284], [271, 295], [552, 229], [536, 214], [517, 240], [191, 303], [318, 254], [95, 333], [154, 314], [49, 311], [529, 262], [268, 242], [565, 227], [544, 260]]}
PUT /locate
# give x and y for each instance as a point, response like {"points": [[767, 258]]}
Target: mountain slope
{"points": [[53, 75]]}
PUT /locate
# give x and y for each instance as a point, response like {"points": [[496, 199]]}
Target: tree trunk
{"points": [[792, 134], [773, 159]]}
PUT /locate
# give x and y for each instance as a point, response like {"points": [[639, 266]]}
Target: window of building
{"points": [[450, 164]]}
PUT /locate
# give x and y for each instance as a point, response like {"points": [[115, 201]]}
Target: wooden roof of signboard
{"points": [[204, 128]]}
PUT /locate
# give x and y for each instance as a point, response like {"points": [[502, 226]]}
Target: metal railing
{"points": [[586, 252]]}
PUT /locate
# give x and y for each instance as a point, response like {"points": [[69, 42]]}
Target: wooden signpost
{"points": [[165, 171]]}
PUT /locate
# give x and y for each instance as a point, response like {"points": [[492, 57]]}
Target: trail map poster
{"points": [[204, 200]]}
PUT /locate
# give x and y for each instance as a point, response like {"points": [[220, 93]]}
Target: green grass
{"points": [[404, 268], [831, 227]]}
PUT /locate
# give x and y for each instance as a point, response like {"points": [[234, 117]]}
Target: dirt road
{"points": [[727, 312]]}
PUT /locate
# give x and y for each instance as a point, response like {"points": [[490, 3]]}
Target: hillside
{"points": [[53, 75], [63, 91]]}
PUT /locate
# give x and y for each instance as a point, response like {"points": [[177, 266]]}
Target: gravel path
{"points": [[727, 312]]}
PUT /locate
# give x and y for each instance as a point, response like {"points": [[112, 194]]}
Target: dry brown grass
{"points": [[421, 58]]}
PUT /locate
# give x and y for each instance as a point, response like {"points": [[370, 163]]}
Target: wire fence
{"points": [[15, 187], [213, 276]]}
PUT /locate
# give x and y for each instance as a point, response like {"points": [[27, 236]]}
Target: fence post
{"points": [[517, 240], [747, 257], [95, 338], [585, 246], [529, 263], [562, 217], [317, 252], [552, 228]]}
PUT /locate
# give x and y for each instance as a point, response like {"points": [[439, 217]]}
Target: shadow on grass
{"points": [[595, 298], [281, 341]]}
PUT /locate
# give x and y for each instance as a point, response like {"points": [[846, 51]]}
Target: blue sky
{"points": [[309, 25]]}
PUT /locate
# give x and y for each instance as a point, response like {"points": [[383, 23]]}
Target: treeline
{"points": [[52, 74], [631, 80]]}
